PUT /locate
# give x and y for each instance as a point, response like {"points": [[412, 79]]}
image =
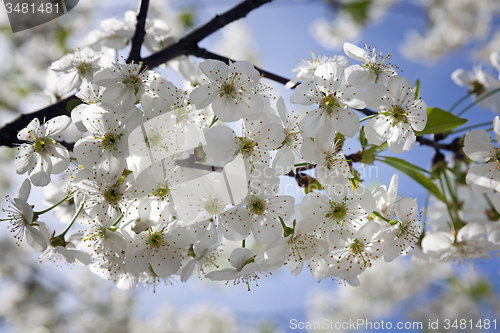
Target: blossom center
{"points": [[213, 206], [357, 246], [113, 195], [110, 141], [290, 137], [337, 211], [181, 114], [330, 160], [83, 68], [161, 191], [257, 206], [330, 104], [42, 143], [398, 114], [246, 146], [155, 239], [477, 88], [132, 82], [153, 139], [227, 90]]}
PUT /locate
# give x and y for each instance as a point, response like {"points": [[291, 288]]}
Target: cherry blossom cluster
{"points": [[164, 181]]}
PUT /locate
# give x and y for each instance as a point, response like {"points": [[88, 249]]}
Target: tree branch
{"points": [[140, 32], [436, 145], [188, 44], [185, 46], [8, 133]]}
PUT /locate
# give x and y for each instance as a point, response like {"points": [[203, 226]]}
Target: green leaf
{"points": [[72, 103], [417, 89], [339, 139], [358, 10], [405, 164], [439, 121], [313, 185], [187, 17], [415, 173], [362, 138], [356, 179], [368, 155]]}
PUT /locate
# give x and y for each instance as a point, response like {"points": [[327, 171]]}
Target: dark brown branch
{"points": [[366, 111], [8, 133], [188, 43], [185, 46], [140, 32], [202, 53], [436, 145]]}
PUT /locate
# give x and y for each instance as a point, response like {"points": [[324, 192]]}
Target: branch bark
{"points": [[188, 44], [140, 32], [185, 46], [8, 132]]}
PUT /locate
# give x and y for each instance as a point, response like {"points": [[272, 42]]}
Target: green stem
{"points": [[424, 218], [282, 223], [72, 221], [119, 219], [479, 100], [368, 117], [380, 216], [36, 214], [447, 205], [471, 127], [457, 103], [454, 199], [302, 164], [243, 243], [489, 202], [214, 120]]}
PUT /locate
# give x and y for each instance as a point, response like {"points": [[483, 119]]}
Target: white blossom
{"points": [[42, 156], [400, 115]]}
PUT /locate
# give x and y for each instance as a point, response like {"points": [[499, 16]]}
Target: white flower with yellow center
{"points": [[333, 98], [229, 89], [125, 84], [400, 114], [258, 139], [261, 210], [20, 216], [301, 243], [343, 208], [42, 156], [352, 254], [74, 68], [159, 247], [373, 70], [289, 152], [401, 237], [331, 163]]}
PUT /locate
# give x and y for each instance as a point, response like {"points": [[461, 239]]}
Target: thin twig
{"points": [[140, 32], [185, 46], [8, 132]]}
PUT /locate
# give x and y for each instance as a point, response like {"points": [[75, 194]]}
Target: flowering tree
{"points": [[164, 180]]}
